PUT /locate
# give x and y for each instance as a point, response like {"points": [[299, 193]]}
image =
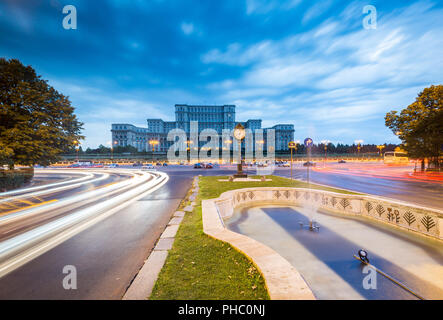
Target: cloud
{"points": [[187, 28], [266, 6], [316, 10], [302, 62], [334, 76]]}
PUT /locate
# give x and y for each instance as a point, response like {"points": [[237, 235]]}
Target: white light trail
{"points": [[18, 250]]}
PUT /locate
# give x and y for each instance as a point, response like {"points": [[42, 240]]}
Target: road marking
{"points": [[28, 207]]}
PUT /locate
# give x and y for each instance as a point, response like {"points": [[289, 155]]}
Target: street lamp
{"points": [[153, 143], [325, 143], [293, 146], [188, 149], [112, 149], [229, 142], [76, 143], [359, 143], [380, 148]]}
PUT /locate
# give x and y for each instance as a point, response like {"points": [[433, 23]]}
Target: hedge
{"points": [[12, 179]]}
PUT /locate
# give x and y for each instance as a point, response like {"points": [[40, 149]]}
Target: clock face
{"points": [[239, 133]]}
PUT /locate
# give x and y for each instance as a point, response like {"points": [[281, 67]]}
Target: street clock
{"points": [[239, 132]]}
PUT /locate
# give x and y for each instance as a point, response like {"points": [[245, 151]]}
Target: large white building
{"points": [[208, 117]]}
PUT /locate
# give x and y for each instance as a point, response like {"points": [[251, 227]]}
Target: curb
{"points": [[143, 283]]}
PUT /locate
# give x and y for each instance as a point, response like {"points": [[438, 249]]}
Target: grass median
{"points": [[200, 267]]}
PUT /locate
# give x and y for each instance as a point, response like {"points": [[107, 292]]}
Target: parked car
{"points": [[148, 167], [309, 164], [111, 166], [284, 164], [137, 164], [262, 164], [74, 165], [198, 166], [209, 166], [165, 164], [341, 161], [158, 164]]}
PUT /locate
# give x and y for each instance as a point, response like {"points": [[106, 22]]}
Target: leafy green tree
{"points": [[37, 123], [420, 125]]}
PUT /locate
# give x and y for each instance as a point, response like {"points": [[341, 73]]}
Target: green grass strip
{"points": [[200, 267]]}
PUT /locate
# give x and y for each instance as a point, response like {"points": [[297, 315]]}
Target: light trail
{"points": [[46, 186], [20, 249], [55, 189], [27, 211]]}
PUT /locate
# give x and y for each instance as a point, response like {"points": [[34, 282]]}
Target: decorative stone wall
{"points": [[406, 216]]}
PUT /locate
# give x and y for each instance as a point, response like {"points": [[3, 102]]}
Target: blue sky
{"points": [[309, 63]]}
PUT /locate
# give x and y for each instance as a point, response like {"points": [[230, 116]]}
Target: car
{"points": [[137, 164], [309, 164], [158, 164], [111, 166], [74, 165], [262, 164], [341, 161], [284, 164], [198, 166], [148, 167], [165, 164], [209, 166]]}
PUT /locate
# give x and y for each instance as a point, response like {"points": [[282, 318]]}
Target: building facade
{"points": [[218, 118]]}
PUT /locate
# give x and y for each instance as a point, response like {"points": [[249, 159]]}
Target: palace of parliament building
{"points": [[218, 118]]}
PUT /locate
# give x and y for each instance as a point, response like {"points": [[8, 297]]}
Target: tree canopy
{"points": [[420, 125], [37, 123]]}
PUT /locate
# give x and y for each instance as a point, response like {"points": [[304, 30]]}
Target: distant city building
{"points": [[217, 118]]}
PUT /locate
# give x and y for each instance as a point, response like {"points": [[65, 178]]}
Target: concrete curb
{"points": [[282, 280], [141, 287]]}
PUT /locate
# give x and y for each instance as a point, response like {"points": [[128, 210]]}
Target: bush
{"points": [[12, 179]]}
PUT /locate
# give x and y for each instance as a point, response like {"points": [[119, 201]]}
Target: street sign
{"points": [[308, 142], [292, 145]]}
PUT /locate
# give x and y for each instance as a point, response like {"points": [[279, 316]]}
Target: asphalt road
{"points": [[107, 255], [391, 183]]}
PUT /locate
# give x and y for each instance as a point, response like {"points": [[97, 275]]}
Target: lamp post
{"points": [[153, 143], [359, 143], [325, 143], [76, 142], [239, 134], [112, 149], [229, 142], [293, 146], [380, 148], [188, 150]]}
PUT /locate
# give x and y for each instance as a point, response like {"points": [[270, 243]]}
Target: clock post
{"points": [[239, 135]]}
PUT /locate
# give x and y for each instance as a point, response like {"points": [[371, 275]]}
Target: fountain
{"points": [[312, 223]]}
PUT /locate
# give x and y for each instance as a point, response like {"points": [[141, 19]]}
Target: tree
{"points": [[420, 125], [37, 123]]}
